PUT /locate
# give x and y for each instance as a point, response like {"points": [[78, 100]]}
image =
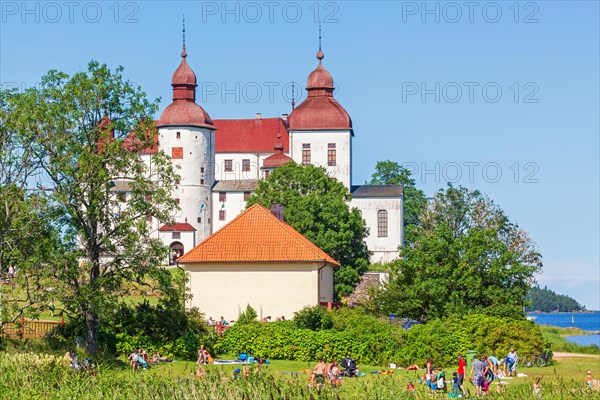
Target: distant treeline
{"points": [[546, 300]]}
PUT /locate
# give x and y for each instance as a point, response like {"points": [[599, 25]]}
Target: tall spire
{"points": [[320, 54], [183, 52], [319, 35], [293, 97]]}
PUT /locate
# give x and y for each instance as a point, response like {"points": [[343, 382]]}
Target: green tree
{"points": [[27, 238], [467, 256], [316, 205], [391, 173], [547, 300], [77, 127]]}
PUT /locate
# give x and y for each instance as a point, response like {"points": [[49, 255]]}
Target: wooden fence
{"points": [[29, 329]]}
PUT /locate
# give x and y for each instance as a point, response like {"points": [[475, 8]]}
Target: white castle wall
{"points": [[319, 141], [256, 161], [233, 206], [384, 249], [196, 169]]}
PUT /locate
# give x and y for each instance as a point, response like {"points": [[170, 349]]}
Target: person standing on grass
{"points": [[477, 369], [429, 372], [462, 364]]}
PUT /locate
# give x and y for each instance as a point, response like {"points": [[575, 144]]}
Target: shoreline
{"points": [[565, 312]]}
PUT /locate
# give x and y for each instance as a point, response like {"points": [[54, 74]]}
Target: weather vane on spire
{"points": [[183, 53], [319, 35], [320, 54], [293, 98]]}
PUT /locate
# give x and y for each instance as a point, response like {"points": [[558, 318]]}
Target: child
{"points": [[441, 380], [589, 379], [455, 387], [537, 388], [433, 384]]}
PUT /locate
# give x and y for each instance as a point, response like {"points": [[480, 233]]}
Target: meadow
{"points": [[30, 374]]}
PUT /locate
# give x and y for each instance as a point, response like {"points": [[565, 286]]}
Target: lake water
{"points": [[586, 321]]}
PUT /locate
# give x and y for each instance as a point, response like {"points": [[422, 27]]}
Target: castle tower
{"points": [[187, 134], [320, 129]]}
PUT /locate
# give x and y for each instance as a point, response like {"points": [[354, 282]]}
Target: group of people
{"points": [[325, 372], [141, 358], [71, 358], [483, 365]]}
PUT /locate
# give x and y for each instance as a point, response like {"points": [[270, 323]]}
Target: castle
{"points": [[221, 161]]}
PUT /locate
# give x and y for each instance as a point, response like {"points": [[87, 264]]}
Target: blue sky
{"points": [[497, 96]]}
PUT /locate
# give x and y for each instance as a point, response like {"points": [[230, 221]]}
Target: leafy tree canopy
{"points": [[78, 156], [546, 300], [467, 256], [316, 205]]}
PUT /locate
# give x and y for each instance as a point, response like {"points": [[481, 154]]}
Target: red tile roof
{"points": [[320, 110], [250, 135], [256, 236], [177, 227], [131, 143]]}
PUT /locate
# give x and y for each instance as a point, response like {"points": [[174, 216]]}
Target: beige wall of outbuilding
{"points": [[275, 289]]}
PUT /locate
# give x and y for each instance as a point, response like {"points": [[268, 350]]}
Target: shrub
{"points": [[247, 317], [313, 318], [370, 340]]}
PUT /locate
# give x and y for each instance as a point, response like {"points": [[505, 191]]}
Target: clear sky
{"points": [[497, 96]]}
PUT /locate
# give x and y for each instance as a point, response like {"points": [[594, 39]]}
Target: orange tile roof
{"points": [[256, 236]]}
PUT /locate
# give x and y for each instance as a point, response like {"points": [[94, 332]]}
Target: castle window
{"points": [[202, 181], [178, 135], [222, 197], [246, 195], [245, 165], [177, 201], [221, 215], [148, 218], [228, 165], [177, 152], [199, 219], [331, 158], [202, 170], [305, 153], [177, 181], [382, 223], [122, 196], [176, 235]]}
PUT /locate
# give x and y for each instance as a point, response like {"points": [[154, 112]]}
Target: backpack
{"points": [[441, 380]]}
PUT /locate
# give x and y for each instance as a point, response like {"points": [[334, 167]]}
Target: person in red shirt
{"points": [[461, 372]]}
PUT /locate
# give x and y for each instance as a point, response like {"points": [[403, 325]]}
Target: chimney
{"points": [[284, 117], [277, 210], [258, 115]]}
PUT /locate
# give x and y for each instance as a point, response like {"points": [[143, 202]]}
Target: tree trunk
{"points": [[92, 323]]}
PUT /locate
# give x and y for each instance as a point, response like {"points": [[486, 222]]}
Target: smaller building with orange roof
{"points": [[260, 260]]}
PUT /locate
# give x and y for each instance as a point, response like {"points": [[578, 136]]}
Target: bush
{"points": [[370, 340], [314, 318], [247, 317]]}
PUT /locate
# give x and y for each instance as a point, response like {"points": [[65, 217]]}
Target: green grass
{"points": [[49, 379]]}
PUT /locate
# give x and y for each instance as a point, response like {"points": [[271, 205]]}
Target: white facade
{"points": [[239, 166], [258, 284], [383, 216], [321, 145], [181, 242], [192, 151]]}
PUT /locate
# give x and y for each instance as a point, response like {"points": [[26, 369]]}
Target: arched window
{"points": [[382, 223]]}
